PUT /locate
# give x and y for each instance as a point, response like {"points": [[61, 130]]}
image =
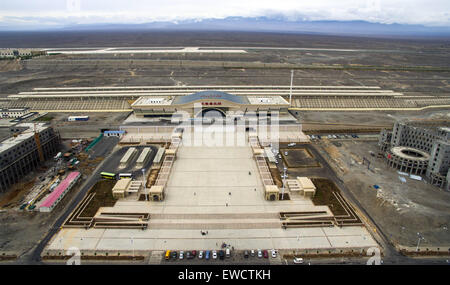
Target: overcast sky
{"points": [[52, 13]]}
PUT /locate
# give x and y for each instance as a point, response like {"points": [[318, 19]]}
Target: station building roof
{"points": [[210, 94]]}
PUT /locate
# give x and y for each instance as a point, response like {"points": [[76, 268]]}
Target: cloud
{"points": [[55, 13]]}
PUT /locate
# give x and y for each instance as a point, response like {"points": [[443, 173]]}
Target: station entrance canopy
{"points": [[197, 103]]}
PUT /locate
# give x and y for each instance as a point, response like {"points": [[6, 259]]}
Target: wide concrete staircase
{"points": [[215, 221]]}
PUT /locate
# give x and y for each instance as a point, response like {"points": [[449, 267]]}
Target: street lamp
{"points": [[132, 246], [143, 184], [284, 182], [418, 242]]}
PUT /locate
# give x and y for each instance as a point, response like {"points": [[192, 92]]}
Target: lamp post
{"points": [[143, 184], [418, 242], [290, 89], [132, 246], [284, 182]]}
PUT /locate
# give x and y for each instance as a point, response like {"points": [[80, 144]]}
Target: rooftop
{"points": [[153, 101], [60, 189], [267, 100], [22, 136], [121, 185], [210, 94]]}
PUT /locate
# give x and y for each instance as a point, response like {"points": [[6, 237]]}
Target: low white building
{"points": [[14, 112]]}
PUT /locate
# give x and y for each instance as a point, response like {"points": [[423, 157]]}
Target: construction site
{"points": [[310, 159]]}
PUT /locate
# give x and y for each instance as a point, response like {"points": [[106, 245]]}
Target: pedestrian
{"points": [[229, 193]]}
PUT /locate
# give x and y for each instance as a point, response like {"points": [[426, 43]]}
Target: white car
{"points": [[298, 260], [214, 255], [181, 254], [274, 253], [200, 254], [259, 253], [252, 252]]}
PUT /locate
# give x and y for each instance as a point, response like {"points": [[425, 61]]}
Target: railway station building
{"points": [[200, 103]]}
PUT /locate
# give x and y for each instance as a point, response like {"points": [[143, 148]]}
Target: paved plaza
{"points": [[218, 190]]}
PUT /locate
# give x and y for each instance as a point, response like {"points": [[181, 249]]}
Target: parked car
{"points": [[167, 256], [266, 254], [181, 254], [207, 255], [221, 254], [214, 254], [252, 252], [173, 254], [298, 260], [194, 253], [319, 137], [200, 254], [189, 255], [246, 254], [260, 253], [274, 253], [228, 253]]}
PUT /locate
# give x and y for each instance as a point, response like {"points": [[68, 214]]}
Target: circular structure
{"points": [[408, 159]]}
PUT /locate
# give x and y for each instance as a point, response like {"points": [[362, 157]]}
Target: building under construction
{"points": [[29, 146], [419, 148]]}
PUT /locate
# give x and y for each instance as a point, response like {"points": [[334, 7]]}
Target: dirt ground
{"points": [[401, 209], [103, 197], [298, 157], [324, 195], [21, 231]]}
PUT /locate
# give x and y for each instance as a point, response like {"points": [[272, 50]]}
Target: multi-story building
{"points": [[29, 145], [419, 148], [13, 112], [11, 52]]}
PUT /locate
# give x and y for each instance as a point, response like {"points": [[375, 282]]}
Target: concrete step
{"points": [[214, 216], [211, 226]]}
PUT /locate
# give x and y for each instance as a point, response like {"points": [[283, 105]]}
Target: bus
{"points": [[125, 175], [108, 175]]}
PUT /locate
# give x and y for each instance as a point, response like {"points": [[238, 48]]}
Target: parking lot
{"points": [[235, 257]]}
